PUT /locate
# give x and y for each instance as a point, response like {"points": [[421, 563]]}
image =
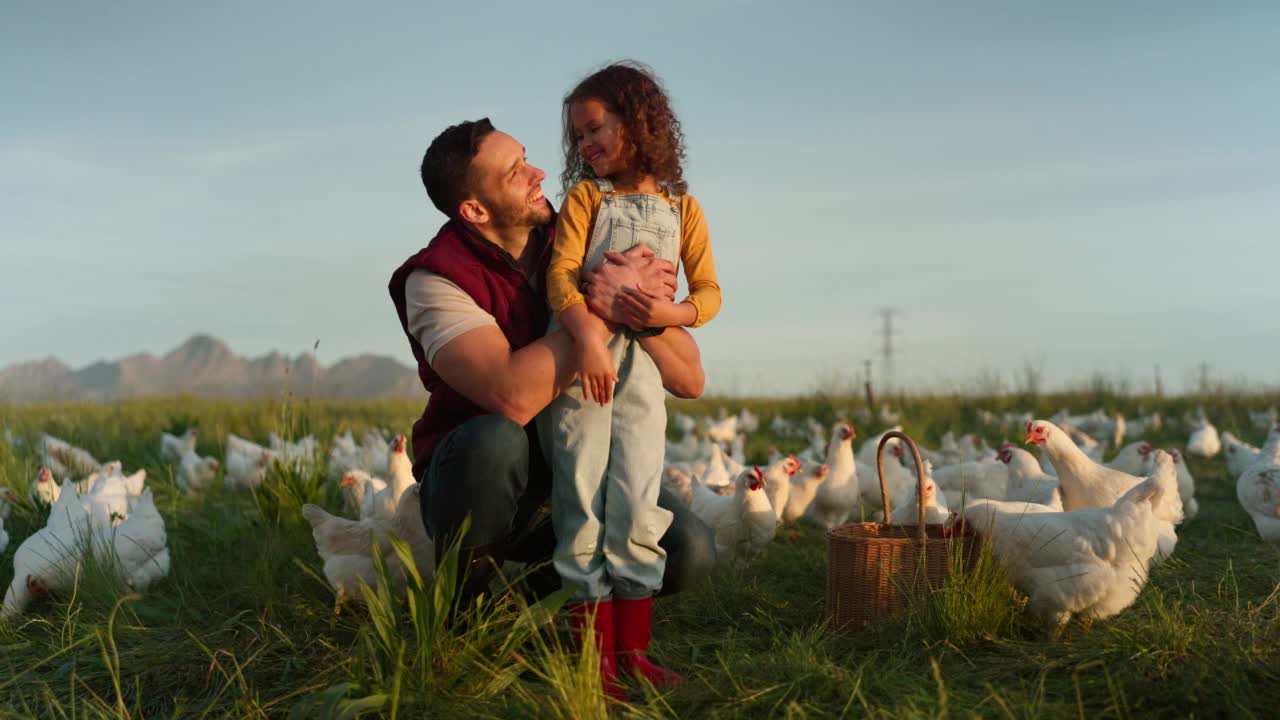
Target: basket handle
{"points": [[884, 489]]}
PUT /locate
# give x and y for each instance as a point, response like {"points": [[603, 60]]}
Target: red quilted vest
{"points": [[496, 282]]}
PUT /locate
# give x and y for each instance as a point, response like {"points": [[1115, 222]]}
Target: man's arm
{"points": [[481, 366], [679, 361]]}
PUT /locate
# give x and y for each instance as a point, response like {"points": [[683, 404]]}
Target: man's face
{"points": [[508, 186]]}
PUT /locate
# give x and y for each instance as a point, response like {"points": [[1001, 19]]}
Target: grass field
{"points": [[244, 625]]}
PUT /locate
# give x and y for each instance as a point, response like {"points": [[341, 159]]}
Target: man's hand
{"points": [[636, 268]]}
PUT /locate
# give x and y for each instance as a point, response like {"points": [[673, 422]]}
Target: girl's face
{"points": [[601, 137]]}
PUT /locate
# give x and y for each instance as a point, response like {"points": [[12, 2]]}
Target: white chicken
{"points": [[716, 475], [781, 426], [683, 422], [49, 559], [343, 456], [680, 483], [133, 483], [1027, 482], [246, 463], [974, 447], [804, 487], [687, 449], [1240, 455], [973, 479], [1134, 458], [346, 546], [723, 430], [908, 513], [66, 460], [1090, 562], [1258, 490], [1084, 483], [173, 447], [136, 549], [1186, 485], [299, 455], [838, 495], [1204, 441], [44, 490], [6, 498], [387, 498], [948, 452], [375, 451], [777, 483], [353, 483], [897, 478], [108, 501], [737, 459], [817, 448], [194, 471], [1141, 426], [743, 522]]}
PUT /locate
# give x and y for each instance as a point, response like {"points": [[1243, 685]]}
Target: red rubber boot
{"points": [[599, 617], [632, 624]]}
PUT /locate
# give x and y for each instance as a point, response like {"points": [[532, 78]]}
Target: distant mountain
{"points": [[205, 366]]}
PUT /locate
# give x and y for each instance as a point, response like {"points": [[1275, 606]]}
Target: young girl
{"points": [[625, 186]]}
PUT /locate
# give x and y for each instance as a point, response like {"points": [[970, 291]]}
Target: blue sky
{"points": [[1084, 188]]}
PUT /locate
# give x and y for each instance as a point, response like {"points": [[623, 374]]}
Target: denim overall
{"points": [[606, 462]]}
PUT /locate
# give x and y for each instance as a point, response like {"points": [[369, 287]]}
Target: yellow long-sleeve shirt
{"points": [[573, 231]]}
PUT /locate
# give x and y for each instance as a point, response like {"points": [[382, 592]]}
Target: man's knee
{"points": [[480, 469], [483, 451], [690, 547]]}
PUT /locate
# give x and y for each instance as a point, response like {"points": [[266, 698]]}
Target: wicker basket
{"points": [[871, 566]]}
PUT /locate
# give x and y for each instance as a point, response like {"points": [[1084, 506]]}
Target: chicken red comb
{"points": [[35, 587], [755, 470]]}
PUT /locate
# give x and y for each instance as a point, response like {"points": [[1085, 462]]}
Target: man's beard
{"points": [[523, 215]]}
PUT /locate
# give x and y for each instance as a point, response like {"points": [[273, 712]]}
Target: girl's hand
{"points": [[597, 371], [639, 310]]}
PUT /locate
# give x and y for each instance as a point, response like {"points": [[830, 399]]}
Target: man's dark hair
{"points": [[446, 166]]}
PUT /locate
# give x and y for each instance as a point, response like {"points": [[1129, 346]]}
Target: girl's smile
{"points": [[600, 137]]}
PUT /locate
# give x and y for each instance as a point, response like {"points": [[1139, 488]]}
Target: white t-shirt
{"points": [[439, 311]]}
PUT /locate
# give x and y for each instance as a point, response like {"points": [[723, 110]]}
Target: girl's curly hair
{"points": [[632, 91]]}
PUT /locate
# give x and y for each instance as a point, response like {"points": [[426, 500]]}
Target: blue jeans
{"points": [[492, 469]]}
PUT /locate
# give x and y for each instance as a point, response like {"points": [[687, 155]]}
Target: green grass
{"points": [[244, 625]]}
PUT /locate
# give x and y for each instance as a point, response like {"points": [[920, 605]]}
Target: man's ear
{"points": [[473, 212]]}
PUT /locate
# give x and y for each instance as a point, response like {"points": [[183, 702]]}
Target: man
{"points": [[473, 306]]}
